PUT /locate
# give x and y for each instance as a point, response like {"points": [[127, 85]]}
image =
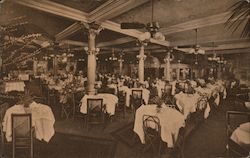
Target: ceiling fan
{"points": [[151, 27], [196, 48]]}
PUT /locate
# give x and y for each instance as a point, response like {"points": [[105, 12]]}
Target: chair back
{"points": [[151, 126], [137, 94], [202, 103], [21, 126], [94, 105], [136, 98], [121, 98]]}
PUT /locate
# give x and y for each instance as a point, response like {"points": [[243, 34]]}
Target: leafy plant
{"points": [[240, 12]]}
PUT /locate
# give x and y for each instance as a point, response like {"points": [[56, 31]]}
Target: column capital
{"points": [[141, 56], [169, 57], [141, 43], [93, 51], [93, 28]]}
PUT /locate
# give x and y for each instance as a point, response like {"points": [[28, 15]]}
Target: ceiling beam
{"points": [[112, 8], [197, 23], [229, 46], [236, 47], [74, 14], [74, 43], [68, 31], [209, 40], [230, 51], [115, 42], [136, 49], [55, 8]]}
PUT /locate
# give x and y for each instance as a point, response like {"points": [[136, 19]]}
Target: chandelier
{"points": [[113, 57]]}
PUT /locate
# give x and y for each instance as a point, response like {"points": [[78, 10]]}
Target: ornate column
{"points": [[141, 57], [93, 30], [178, 70], [121, 63], [55, 64], [219, 73], [167, 60], [35, 62]]}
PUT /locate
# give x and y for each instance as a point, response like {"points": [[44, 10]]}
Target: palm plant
{"points": [[240, 11]]}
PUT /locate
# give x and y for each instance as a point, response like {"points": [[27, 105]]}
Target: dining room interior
{"points": [[124, 78]]}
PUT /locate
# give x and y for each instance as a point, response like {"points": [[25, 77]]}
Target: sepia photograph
{"points": [[125, 78]]}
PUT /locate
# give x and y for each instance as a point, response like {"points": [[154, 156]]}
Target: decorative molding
{"points": [[74, 14], [74, 43], [197, 23], [68, 31], [137, 49], [116, 42], [55, 8], [209, 40], [230, 51], [112, 8]]}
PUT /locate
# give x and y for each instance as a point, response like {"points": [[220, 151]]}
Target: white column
{"points": [[35, 62], [121, 64], [178, 70], [91, 67], [167, 66], [141, 58]]}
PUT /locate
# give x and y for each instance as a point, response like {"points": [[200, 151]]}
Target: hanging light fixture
{"points": [[113, 57], [196, 48], [152, 28]]}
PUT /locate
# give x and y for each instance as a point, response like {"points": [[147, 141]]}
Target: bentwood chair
{"points": [[198, 116], [77, 96], [22, 133], [95, 112], [3, 108], [122, 102], [136, 100], [234, 119], [152, 133]]}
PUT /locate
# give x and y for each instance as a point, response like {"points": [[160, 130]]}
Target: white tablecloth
{"points": [[128, 91], [171, 121], [23, 77], [187, 103], [241, 135], [42, 120], [14, 86], [109, 100], [209, 91]]}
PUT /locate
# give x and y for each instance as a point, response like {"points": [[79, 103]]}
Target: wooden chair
{"points": [[122, 102], [234, 119], [136, 100], [152, 133], [51, 93], [77, 104], [95, 112], [22, 133], [69, 108], [3, 108]]}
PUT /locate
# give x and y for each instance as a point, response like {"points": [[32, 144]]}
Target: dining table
{"points": [[171, 121], [109, 100], [42, 120], [128, 91], [14, 86], [188, 103], [241, 135]]}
